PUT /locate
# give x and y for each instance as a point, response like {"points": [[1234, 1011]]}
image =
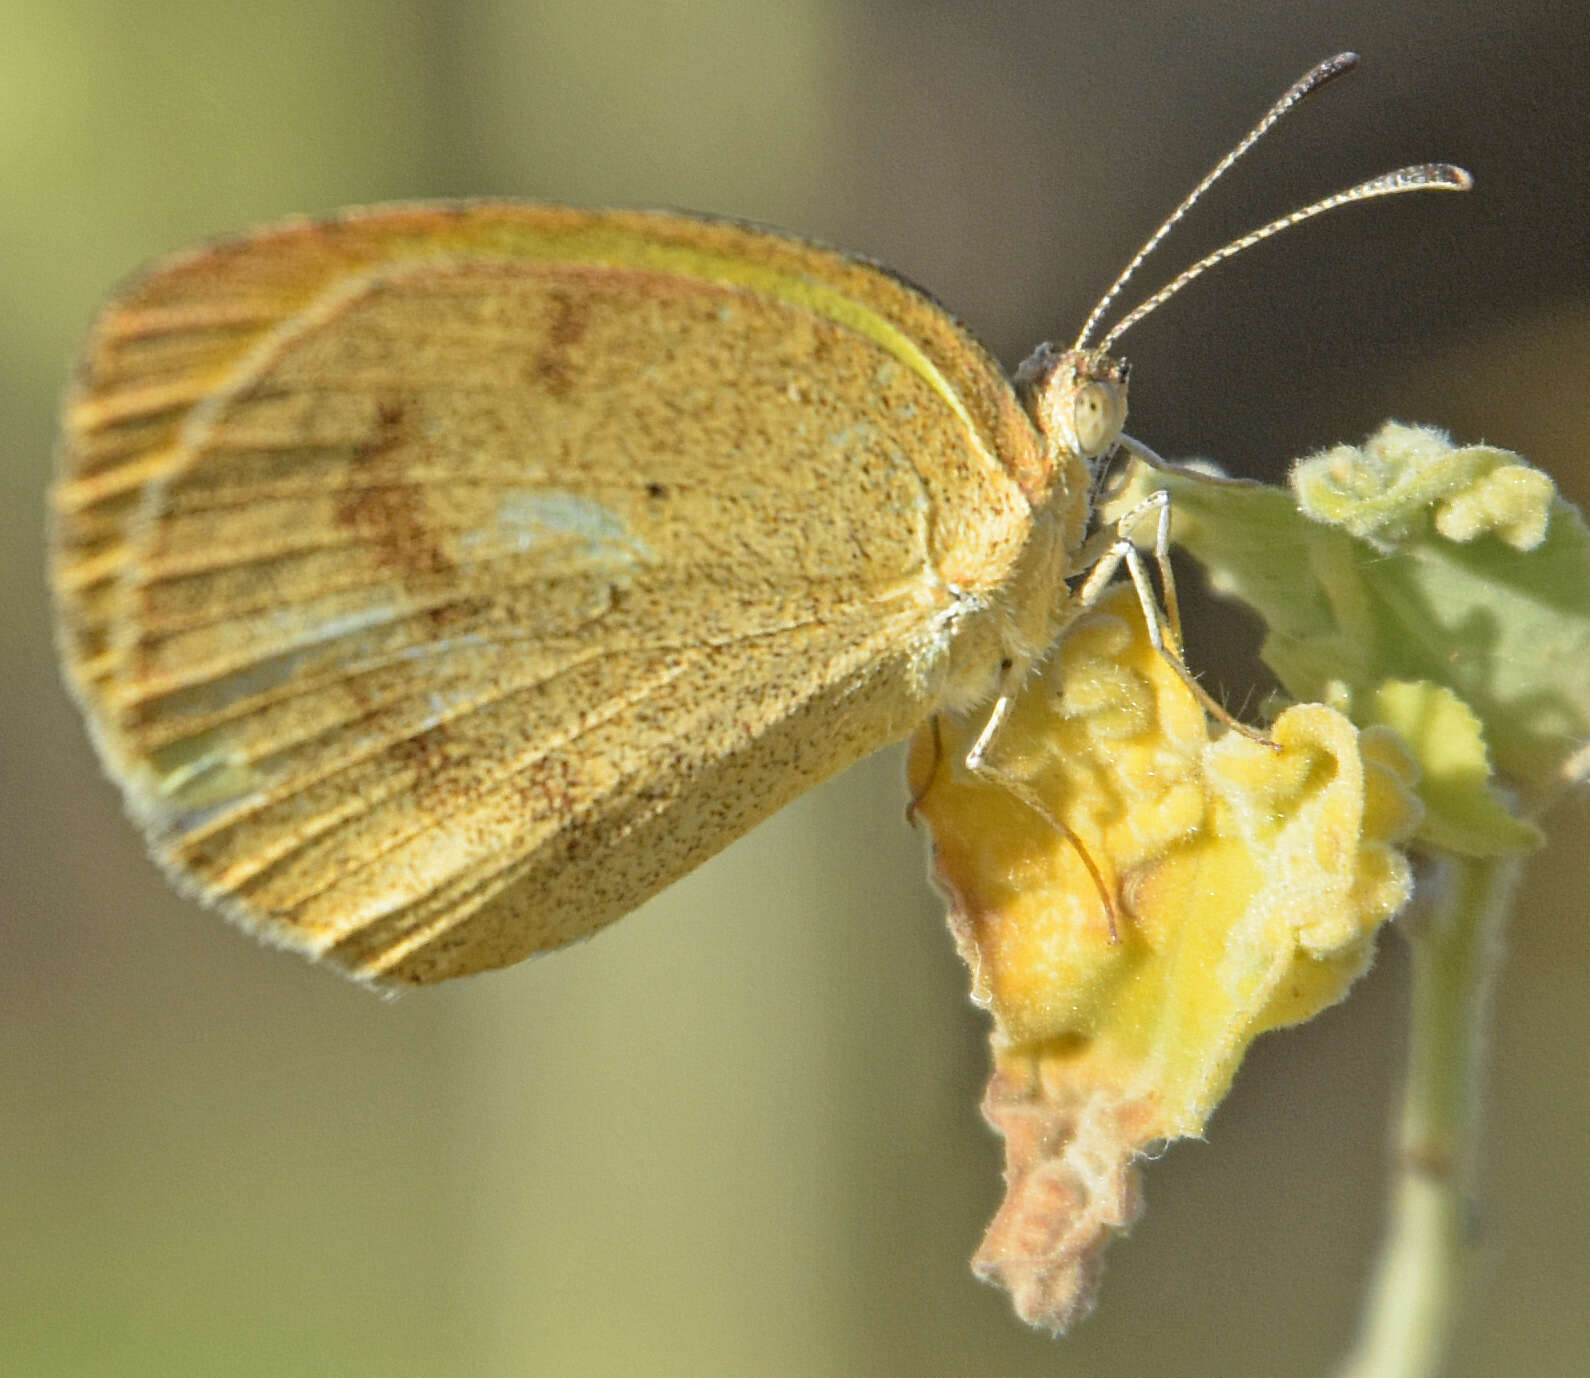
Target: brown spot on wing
{"points": [[552, 366], [384, 510]]}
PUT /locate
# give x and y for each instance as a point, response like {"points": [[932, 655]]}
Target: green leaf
{"points": [[1415, 561], [1462, 812]]}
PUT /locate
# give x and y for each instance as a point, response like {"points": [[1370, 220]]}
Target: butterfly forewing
{"points": [[442, 582]]}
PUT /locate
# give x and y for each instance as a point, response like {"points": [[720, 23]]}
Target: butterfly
{"points": [[441, 581]]}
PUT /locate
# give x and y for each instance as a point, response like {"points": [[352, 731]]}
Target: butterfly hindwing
{"points": [[442, 582]]}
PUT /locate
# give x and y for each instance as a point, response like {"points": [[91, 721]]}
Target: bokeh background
{"points": [[737, 1133]]}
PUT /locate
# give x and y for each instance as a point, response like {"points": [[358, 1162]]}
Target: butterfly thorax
{"points": [[1076, 400]]}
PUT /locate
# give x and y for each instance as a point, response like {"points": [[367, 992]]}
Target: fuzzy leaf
{"points": [[1422, 562]]}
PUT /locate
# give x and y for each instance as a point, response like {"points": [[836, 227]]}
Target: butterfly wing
{"points": [[441, 582]]}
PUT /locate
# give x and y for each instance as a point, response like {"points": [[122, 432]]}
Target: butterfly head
{"points": [[1077, 399]]}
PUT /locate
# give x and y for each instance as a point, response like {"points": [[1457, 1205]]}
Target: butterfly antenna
{"points": [[1305, 85], [1423, 177]]}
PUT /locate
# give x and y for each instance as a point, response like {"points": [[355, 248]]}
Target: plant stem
{"points": [[1418, 1276]]}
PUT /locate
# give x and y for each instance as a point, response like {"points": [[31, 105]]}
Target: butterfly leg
{"points": [[976, 761], [1103, 565], [1163, 623]]}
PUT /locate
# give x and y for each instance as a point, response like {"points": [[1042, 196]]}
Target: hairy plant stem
{"points": [[1418, 1277]]}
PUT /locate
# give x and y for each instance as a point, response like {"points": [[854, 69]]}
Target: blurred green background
{"points": [[738, 1133]]}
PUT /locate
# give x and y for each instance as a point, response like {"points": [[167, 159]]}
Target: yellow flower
{"points": [[1137, 900]]}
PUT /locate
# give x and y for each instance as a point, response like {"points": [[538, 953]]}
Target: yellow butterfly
{"points": [[441, 581]]}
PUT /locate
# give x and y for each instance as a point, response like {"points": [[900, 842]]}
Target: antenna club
{"points": [[1331, 68], [1429, 176]]}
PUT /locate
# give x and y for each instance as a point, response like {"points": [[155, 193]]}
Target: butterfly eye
{"points": [[1099, 412]]}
